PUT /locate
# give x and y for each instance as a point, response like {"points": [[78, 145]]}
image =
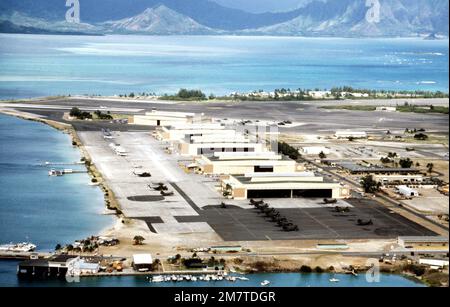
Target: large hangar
{"points": [[281, 185]]}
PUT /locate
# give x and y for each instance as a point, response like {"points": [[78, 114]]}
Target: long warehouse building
{"points": [[240, 163], [279, 185]]}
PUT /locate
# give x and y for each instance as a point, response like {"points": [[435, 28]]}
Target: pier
{"points": [[24, 255], [47, 163]]}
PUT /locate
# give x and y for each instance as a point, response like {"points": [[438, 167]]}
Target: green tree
{"points": [[138, 240], [392, 155], [430, 167], [369, 184], [405, 163], [75, 112], [322, 155], [288, 150]]}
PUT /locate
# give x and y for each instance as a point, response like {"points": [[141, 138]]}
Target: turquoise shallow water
{"points": [[34, 206], [40, 65]]}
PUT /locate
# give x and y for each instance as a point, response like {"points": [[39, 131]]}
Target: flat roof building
{"points": [[398, 179], [345, 134], [163, 118], [281, 185], [180, 132], [354, 168], [209, 147], [314, 150], [142, 262], [422, 241], [241, 163]]}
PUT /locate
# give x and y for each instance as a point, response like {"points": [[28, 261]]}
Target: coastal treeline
{"points": [[286, 94], [186, 94]]}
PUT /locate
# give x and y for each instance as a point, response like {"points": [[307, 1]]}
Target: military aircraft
{"points": [[341, 209], [269, 211], [262, 207], [167, 193], [362, 222], [159, 187], [254, 202], [144, 174], [274, 215], [290, 227], [281, 221], [329, 200]]}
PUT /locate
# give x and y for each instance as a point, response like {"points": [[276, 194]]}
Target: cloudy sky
{"points": [[259, 6]]}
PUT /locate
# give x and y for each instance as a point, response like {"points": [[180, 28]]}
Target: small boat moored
{"points": [[265, 283], [18, 247]]}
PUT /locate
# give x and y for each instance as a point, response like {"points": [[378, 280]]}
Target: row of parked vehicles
{"points": [[274, 215]]}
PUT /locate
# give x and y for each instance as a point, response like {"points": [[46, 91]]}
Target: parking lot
{"points": [[238, 224], [195, 208]]}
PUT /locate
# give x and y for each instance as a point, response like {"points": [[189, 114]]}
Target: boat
{"points": [[242, 278], [158, 278], [54, 172], [18, 247], [334, 280], [265, 283]]}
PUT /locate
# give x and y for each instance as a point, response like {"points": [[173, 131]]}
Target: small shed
{"points": [[142, 262]]}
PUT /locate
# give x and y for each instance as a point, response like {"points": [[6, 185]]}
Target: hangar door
{"points": [[327, 193]]}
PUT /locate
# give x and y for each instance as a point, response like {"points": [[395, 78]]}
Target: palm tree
{"points": [[430, 167]]}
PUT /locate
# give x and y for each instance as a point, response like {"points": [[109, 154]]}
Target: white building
{"points": [[189, 148], [314, 150], [407, 191], [387, 109], [355, 95], [142, 262], [345, 134], [162, 118], [319, 94], [434, 263], [181, 131], [398, 179], [282, 185], [241, 163]]}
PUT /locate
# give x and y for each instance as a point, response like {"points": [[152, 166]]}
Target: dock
{"points": [[24, 255], [47, 163]]}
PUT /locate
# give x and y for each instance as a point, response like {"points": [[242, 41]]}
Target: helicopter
{"points": [[341, 209], [362, 222], [329, 200]]}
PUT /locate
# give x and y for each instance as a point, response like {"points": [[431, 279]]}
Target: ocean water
{"points": [[34, 206], [41, 65], [276, 280]]}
